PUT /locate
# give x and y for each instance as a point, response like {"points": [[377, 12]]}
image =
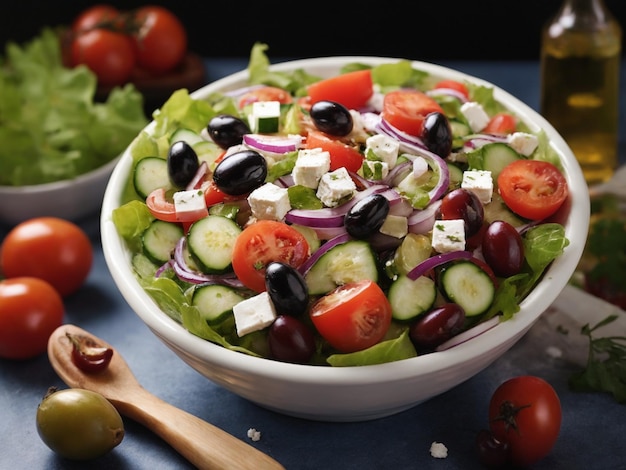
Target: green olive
{"points": [[78, 424]]}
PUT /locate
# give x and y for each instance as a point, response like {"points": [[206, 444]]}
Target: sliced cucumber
{"points": [[187, 135], [498, 210], [348, 262], [211, 240], [456, 175], [409, 298], [215, 302], [150, 174], [466, 284], [493, 157], [159, 240], [208, 152]]}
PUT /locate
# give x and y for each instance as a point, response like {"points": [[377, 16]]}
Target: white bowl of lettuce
{"points": [[59, 145], [358, 387]]}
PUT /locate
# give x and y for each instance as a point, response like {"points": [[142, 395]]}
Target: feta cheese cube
{"points": [[375, 170], [254, 314], [336, 187], [523, 142], [448, 235], [383, 148], [265, 117], [269, 201], [190, 205], [310, 165], [480, 182], [475, 114], [395, 226]]}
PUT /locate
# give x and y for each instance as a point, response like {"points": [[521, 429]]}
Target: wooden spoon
{"points": [[204, 445]]}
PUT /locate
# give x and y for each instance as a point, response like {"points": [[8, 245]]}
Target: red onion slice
{"points": [[330, 216], [401, 136], [422, 221], [447, 92], [273, 143], [437, 260], [198, 178], [338, 240]]}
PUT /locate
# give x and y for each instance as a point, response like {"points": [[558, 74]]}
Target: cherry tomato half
{"points": [[53, 249], [265, 93], [525, 413], [407, 109], [352, 317], [341, 154], [30, 310], [533, 189], [161, 42], [262, 242], [352, 89], [501, 123], [453, 85]]}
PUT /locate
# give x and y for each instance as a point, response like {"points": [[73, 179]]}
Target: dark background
{"points": [[429, 30]]}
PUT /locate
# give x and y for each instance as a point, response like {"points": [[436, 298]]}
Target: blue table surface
{"points": [[592, 433]]}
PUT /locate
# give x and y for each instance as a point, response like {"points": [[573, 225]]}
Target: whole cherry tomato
{"points": [[53, 249], [94, 16], [30, 310], [109, 54], [525, 413], [161, 39]]}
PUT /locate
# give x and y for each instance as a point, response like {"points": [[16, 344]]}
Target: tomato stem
{"points": [[508, 414]]}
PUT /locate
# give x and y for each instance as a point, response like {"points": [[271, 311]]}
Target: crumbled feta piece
{"points": [[358, 132], [554, 352], [475, 114], [310, 165], [375, 170], [438, 450], [190, 204], [448, 235], [381, 147], [480, 182], [265, 117], [336, 187], [234, 149], [254, 434], [395, 226], [523, 143], [376, 100], [270, 202], [254, 313]]}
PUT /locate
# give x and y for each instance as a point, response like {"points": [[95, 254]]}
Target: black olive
{"points": [[182, 163], [240, 172], [332, 118], [437, 134], [227, 130], [287, 289], [367, 216]]}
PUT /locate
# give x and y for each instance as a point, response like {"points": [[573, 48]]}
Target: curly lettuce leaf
{"points": [[50, 126]]}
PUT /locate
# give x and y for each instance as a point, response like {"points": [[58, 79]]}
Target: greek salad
{"points": [[368, 217]]}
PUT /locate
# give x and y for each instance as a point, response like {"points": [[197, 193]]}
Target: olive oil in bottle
{"points": [[580, 61]]}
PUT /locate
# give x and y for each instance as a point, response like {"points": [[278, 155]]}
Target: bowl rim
{"points": [[83, 178], [540, 298]]}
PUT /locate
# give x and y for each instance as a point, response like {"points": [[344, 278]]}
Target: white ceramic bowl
{"points": [[70, 199], [352, 393]]}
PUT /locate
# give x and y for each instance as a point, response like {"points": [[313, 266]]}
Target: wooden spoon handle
{"points": [[204, 445]]}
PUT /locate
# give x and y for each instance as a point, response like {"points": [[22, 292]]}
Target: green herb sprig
{"points": [[605, 370]]}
